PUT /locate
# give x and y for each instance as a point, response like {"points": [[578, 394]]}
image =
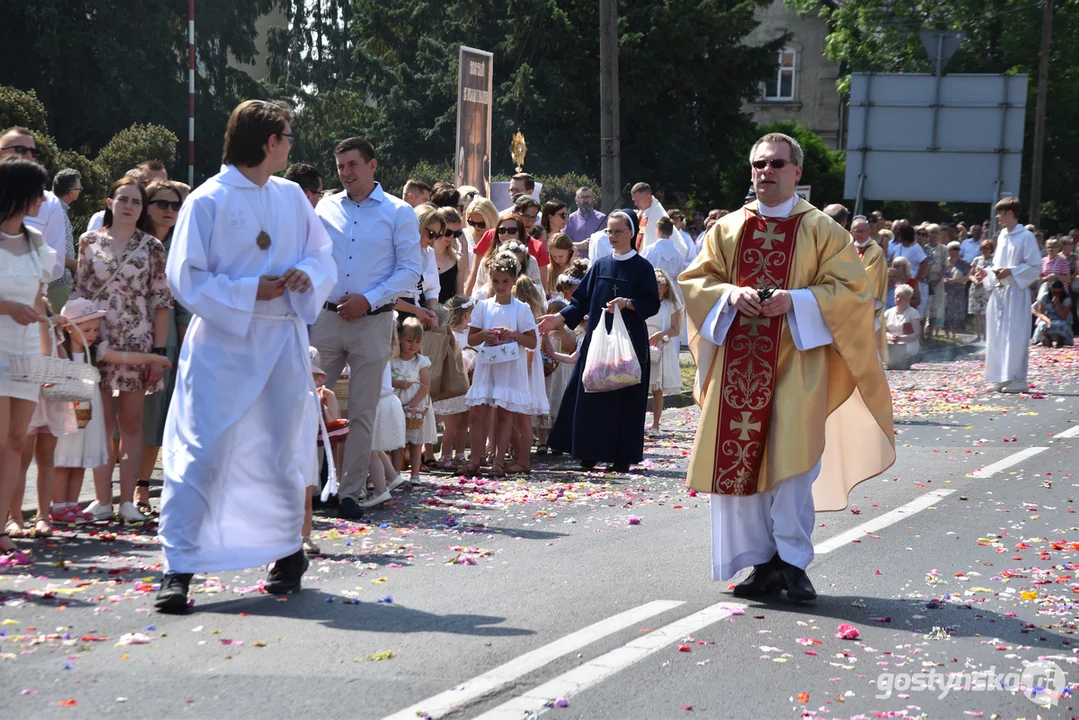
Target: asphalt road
{"points": [[591, 594]]}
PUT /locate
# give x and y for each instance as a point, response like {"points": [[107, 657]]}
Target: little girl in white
{"points": [[558, 343], [412, 380], [664, 329], [454, 412], [502, 328], [87, 448], [525, 291], [388, 436], [331, 412]]}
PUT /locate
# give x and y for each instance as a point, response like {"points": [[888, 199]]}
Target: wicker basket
{"points": [[83, 415], [414, 417], [340, 389], [64, 380]]}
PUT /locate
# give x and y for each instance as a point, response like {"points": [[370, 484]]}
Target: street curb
{"points": [[947, 353]]}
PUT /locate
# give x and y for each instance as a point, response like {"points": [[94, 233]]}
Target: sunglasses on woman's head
{"points": [[507, 231], [174, 205], [477, 225]]}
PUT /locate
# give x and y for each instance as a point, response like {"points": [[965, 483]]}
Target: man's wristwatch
{"points": [[159, 351]]}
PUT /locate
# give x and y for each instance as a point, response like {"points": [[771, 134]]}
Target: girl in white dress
{"points": [[502, 328], [388, 436], [525, 291], [664, 329], [453, 412], [412, 380], [558, 342], [87, 448]]}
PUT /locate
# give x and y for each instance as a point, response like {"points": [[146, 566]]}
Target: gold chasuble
{"points": [[770, 412], [876, 267]]}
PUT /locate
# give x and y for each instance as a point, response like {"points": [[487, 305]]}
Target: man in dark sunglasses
{"points": [[49, 221], [779, 294]]}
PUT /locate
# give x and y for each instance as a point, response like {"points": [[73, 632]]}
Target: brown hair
{"points": [[560, 241], [411, 185], [367, 150], [524, 177], [250, 127], [525, 291], [522, 237], [550, 208], [665, 225], [141, 222], [1010, 204], [153, 189]]}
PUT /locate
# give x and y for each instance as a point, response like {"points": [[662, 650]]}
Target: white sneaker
{"points": [[99, 511], [1016, 386], [396, 482], [377, 500], [130, 513]]}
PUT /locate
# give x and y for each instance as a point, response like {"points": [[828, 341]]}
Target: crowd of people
{"points": [[221, 319]]}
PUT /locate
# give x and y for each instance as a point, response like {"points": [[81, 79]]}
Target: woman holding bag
{"points": [[623, 282], [122, 269]]}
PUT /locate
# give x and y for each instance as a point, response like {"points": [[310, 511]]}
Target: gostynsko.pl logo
{"points": [[1043, 682]]}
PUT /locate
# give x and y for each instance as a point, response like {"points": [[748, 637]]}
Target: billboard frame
{"points": [[466, 57]]}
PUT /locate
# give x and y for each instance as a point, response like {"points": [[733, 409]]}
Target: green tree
{"points": [[1002, 36], [135, 145]]}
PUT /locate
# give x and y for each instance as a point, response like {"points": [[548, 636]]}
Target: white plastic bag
{"points": [[611, 363]]}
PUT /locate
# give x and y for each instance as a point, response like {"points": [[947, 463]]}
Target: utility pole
{"points": [[610, 136], [191, 93], [1039, 117]]}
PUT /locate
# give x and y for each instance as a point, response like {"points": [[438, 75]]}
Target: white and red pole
{"points": [[191, 93]]}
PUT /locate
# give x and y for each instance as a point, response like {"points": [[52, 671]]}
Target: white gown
{"points": [[1007, 316], [238, 450]]}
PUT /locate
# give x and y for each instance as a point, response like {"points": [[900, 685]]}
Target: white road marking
{"points": [[595, 671], [889, 518], [1071, 432], [1015, 459], [439, 705]]}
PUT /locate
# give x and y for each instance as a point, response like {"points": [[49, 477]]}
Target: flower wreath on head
{"points": [[567, 280]]}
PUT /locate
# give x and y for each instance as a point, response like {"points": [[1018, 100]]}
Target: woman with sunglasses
{"points": [[122, 269], [450, 252], [554, 218], [422, 305], [480, 216], [510, 227], [164, 199]]}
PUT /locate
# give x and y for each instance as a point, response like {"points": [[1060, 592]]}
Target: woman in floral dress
{"points": [[122, 269], [979, 296]]}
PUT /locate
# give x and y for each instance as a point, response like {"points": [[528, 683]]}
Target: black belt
{"points": [[332, 307]]}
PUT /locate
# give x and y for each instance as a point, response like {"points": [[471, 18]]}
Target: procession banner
{"points": [[474, 94]]}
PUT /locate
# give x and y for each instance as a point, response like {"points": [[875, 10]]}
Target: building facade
{"points": [[803, 89]]}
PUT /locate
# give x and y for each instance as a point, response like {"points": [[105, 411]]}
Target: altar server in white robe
{"points": [[254, 264], [649, 211], [663, 253], [1016, 265]]}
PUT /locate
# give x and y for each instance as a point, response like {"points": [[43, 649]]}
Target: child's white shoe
{"points": [[377, 500], [397, 482]]}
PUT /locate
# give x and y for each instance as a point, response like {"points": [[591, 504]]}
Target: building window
{"points": [[781, 86]]}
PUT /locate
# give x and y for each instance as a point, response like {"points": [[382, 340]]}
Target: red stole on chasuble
{"points": [[763, 259]]}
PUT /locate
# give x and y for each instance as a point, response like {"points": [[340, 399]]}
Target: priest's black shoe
{"points": [[286, 574], [172, 597], [588, 464], [799, 589], [764, 579], [349, 509], [620, 468]]}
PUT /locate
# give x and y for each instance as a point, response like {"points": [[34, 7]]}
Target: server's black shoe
{"points": [[286, 574], [172, 597], [349, 509], [764, 579], [620, 468], [799, 588], [588, 464]]}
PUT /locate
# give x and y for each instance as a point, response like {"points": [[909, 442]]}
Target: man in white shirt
{"points": [[67, 185], [416, 192], [50, 218], [376, 244], [649, 210]]}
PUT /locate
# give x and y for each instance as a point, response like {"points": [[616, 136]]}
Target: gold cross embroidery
{"points": [[745, 426], [769, 235], [755, 324]]}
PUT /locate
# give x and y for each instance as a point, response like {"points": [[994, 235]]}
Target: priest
{"points": [[1016, 266], [254, 264], [795, 408], [876, 267]]}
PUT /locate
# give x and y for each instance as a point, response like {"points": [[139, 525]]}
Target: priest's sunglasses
{"points": [[774, 163]]}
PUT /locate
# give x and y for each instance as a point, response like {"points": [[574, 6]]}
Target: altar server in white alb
{"points": [[254, 264], [1016, 264]]}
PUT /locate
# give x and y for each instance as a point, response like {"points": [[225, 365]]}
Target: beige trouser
{"points": [[364, 345]]}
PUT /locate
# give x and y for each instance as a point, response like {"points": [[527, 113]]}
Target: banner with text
{"points": [[474, 94]]}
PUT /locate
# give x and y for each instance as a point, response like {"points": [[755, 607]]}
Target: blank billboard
{"points": [[909, 139]]}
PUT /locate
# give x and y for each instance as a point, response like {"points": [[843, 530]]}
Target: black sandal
{"points": [[542, 449], [145, 508]]}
